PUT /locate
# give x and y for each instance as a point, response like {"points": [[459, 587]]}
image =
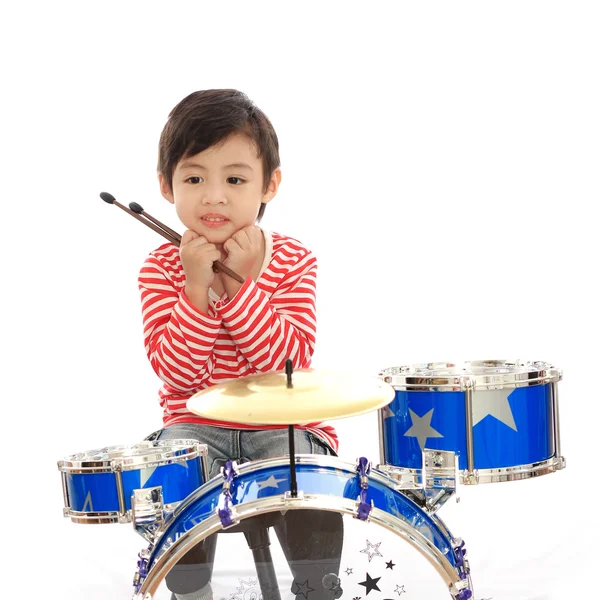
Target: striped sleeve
{"points": [[266, 330], [178, 338]]}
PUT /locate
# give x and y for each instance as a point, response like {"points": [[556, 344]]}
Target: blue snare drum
{"points": [[394, 524], [500, 418], [98, 484]]}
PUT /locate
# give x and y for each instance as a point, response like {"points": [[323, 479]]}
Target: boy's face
{"points": [[219, 191]]}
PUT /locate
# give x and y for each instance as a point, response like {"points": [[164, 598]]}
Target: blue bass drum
{"points": [[98, 484], [393, 546], [499, 418]]}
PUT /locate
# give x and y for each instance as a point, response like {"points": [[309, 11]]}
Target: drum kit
{"points": [[440, 425]]}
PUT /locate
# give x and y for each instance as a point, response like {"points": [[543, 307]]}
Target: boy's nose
{"points": [[214, 195]]}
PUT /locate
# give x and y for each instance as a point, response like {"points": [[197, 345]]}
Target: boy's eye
{"points": [[194, 179], [235, 180]]}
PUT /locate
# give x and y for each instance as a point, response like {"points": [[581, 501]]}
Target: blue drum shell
{"points": [[271, 478], [97, 492], [501, 442]]}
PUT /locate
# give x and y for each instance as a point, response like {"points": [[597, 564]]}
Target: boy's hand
{"points": [[197, 257], [245, 248]]}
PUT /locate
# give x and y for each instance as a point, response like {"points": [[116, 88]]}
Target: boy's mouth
{"points": [[214, 220]]}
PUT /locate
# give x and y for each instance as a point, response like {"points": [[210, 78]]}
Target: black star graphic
{"points": [[302, 588], [390, 565], [370, 584], [348, 571]]}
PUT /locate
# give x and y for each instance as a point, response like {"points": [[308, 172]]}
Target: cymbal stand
{"points": [[289, 369]]}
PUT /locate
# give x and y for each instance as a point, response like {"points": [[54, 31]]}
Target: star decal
{"points": [[270, 483], [387, 412], [421, 428], [88, 502], [400, 590], [247, 588], [495, 404], [348, 571], [145, 474], [302, 588], [370, 584], [372, 550], [390, 565]]}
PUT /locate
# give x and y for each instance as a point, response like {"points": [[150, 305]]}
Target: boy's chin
{"points": [[213, 237]]}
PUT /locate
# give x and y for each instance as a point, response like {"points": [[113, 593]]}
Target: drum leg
{"points": [[312, 541], [258, 542]]}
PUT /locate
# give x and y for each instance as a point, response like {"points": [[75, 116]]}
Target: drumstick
{"points": [[217, 265], [136, 210], [110, 199]]}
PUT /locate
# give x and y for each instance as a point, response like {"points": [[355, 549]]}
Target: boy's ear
{"points": [[165, 189], [272, 187]]}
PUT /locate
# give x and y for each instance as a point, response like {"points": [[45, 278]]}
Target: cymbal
{"points": [[316, 395]]}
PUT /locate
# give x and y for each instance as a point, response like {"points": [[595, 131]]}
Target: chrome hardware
{"points": [[66, 498], [288, 498], [554, 404], [484, 374], [431, 486], [117, 468], [147, 511], [468, 386]]}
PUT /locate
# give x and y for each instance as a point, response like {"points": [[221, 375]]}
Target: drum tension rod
{"points": [[289, 369]]}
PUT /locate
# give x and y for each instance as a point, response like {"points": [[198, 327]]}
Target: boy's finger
{"points": [[188, 236]]}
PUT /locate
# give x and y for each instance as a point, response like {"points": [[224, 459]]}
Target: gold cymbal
{"points": [[316, 395]]}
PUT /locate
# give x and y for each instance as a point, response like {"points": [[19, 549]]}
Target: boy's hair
{"points": [[208, 117]]}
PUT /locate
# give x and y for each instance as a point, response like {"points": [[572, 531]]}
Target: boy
{"points": [[219, 165]]}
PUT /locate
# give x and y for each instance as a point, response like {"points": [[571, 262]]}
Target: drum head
{"points": [[375, 561], [319, 548]]}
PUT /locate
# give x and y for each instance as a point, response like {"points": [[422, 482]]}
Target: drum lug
{"points": [[363, 508], [141, 573], [225, 509], [117, 468], [461, 589], [66, 498], [147, 511]]}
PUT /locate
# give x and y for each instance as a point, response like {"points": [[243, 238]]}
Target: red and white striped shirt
{"points": [[266, 322]]}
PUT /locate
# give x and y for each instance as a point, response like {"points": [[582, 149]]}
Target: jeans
{"points": [[311, 540]]}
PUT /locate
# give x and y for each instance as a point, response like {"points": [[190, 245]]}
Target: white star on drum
{"points": [[271, 482], [495, 404], [421, 428]]}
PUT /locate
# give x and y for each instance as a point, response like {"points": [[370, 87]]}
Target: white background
{"points": [[441, 159]]}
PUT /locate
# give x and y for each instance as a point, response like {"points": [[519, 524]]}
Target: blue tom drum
{"points": [[499, 418], [98, 484]]}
